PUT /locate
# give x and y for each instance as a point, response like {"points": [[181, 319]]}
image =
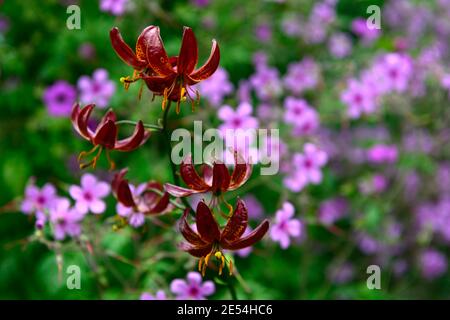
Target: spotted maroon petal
{"points": [[190, 235], [179, 192], [156, 53], [80, 118], [142, 43], [188, 56], [124, 194], [124, 51], [221, 178], [139, 136], [195, 251], [157, 84], [236, 224], [118, 178], [241, 173], [206, 224], [208, 68], [249, 239], [161, 205], [190, 175]]}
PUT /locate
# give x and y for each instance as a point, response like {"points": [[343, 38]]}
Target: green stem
{"points": [[146, 125], [232, 289]]}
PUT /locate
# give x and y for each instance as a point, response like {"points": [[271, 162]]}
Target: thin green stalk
{"points": [[146, 125]]}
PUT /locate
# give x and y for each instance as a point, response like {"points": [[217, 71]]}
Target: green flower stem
{"points": [[146, 125]]}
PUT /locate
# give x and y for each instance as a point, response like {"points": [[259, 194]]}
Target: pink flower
{"points": [[216, 87], [65, 220], [97, 90], [433, 264], [301, 115], [192, 288], [160, 295], [302, 76], [359, 27], [396, 71], [115, 7], [359, 99], [135, 218], [38, 200], [445, 82], [332, 210], [266, 82], [241, 118], [89, 196], [59, 98], [285, 226], [382, 153], [340, 45]]}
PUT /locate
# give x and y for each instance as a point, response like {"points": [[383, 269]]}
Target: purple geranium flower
{"points": [[160, 295], [340, 45], [89, 196], [115, 7], [135, 218], [395, 70], [263, 32], [301, 76], [241, 118], [193, 288], [38, 200], [216, 87], [332, 210], [59, 98], [97, 89], [433, 264], [359, 27], [266, 82], [382, 153], [359, 98], [285, 226], [65, 220]]}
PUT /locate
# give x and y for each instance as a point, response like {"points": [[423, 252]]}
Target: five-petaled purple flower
{"points": [[215, 88], [135, 218], [89, 195], [433, 264], [193, 288], [59, 98], [96, 90], [65, 220], [285, 226], [38, 200], [301, 76]]}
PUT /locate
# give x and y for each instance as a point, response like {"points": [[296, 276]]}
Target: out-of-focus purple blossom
{"points": [[4, 24], [306, 168], [308, 124], [263, 32], [254, 207], [340, 274], [340, 45], [382, 153], [411, 184], [87, 51], [215, 88], [267, 112], [443, 178], [65, 220], [135, 218], [244, 91], [433, 264], [395, 70], [332, 210], [38, 199], [323, 12], [418, 141], [445, 82], [97, 89], [241, 118], [301, 115], [301, 76], [266, 82], [285, 226], [59, 98], [314, 32], [292, 26], [359, 99], [359, 27], [375, 184], [89, 196], [367, 244], [160, 295], [115, 7], [193, 288]]}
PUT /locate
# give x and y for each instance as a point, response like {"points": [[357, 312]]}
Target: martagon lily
{"points": [[209, 239], [105, 136], [169, 77], [216, 178]]}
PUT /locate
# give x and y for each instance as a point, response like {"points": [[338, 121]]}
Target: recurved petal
{"points": [[118, 178], [195, 251], [236, 224], [142, 43], [156, 54], [124, 194], [80, 119], [109, 116], [161, 205], [190, 175], [190, 235], [208, 68], [188, 56], [249, 239], [124, 51], [241, 173], [206, 224], [106, 135], [157, 84], [139, 136], [221, 178], [177, 191]]}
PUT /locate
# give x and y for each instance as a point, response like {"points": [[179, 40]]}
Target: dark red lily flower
{"points": [[210, 239], [216, 179], [105, 135], [153, 200], [169, 77]]}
